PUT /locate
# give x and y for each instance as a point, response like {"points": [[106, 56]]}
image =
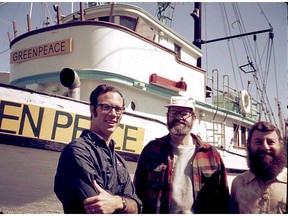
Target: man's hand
{"points": [[104, 202]]}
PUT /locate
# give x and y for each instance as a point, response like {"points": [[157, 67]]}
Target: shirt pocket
{"points": [[156, 175], [209, 178], [122, 171]]}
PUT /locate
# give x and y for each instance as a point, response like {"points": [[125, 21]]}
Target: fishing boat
{"points": [[53, 70]]}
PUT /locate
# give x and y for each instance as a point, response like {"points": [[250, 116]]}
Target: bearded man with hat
{"points": [[179, 173]]}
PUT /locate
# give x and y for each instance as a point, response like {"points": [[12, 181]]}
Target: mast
{"points": [[196, 14]]}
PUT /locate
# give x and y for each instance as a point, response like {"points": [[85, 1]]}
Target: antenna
{"points": [[165, 12]]}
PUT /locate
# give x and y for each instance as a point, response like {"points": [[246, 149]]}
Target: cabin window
{"points": [[128, 22], [243, 136], [177, 49], [240, 136], [105, 19], [235, 135]]}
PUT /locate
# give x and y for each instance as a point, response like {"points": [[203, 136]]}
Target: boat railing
{"points": [[230, 98], [226, 97]]}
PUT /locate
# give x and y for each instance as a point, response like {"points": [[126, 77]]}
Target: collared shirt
{"points": [[153, 178], [248, 196], [85, 159]]}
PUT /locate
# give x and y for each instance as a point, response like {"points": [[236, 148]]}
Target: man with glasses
{"points": [[91, 177], [179, 173]]}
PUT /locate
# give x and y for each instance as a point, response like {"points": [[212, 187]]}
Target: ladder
{"points": [[216, 134]]}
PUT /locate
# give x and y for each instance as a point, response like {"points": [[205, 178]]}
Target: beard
{"points": [[179, 129], [267, 167]]}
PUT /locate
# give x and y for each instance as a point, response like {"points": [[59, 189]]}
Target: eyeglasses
{"points": [[183, 114], [107, 108]]}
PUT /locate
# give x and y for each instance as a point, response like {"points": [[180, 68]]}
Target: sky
{"points": [[252, 16]]}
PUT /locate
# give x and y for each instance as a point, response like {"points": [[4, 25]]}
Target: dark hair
{"points": [[102, 89], [264, 127]]}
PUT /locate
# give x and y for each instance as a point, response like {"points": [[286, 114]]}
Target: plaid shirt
{"points": [[153, 178]]}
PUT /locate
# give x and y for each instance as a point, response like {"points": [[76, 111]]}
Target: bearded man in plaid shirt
{"points": [[179, 173]]}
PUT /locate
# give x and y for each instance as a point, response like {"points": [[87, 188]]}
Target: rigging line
{"points": [[270, 109], [49, 14], [233, 67], [258, 59], [264, 75], [5, 43], [11, 25], [242, 30], [241, 26], [225, 18], [4, 51], [276, 80], [45, 19], [262, 12], [262, 98], [269, 53], [267, 68], [251, 85], [264, 72], [268, 63], [245, 40], [235, 53], [261, 91], [258, 95]]}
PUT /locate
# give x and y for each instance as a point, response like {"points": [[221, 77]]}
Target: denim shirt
{"points": [[85, 159]]}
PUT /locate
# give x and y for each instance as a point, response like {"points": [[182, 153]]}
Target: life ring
{"points": [[245, 101]]}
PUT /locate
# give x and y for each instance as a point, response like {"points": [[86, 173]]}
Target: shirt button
{"points": [[265, 196]]}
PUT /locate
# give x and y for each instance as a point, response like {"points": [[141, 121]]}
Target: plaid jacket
{"points": [[153, 178]]}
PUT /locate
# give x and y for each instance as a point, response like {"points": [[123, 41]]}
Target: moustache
{"points": [[265, 154], [176, 121]]}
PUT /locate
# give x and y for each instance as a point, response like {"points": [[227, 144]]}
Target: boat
{"points": [[53, 70]]}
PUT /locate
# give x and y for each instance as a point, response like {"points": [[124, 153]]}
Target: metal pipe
{"points": [[236, 36], [70, 79], [29, 23]]}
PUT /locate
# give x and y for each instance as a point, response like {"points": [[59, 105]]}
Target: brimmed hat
{"points": [[180, 101]]}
